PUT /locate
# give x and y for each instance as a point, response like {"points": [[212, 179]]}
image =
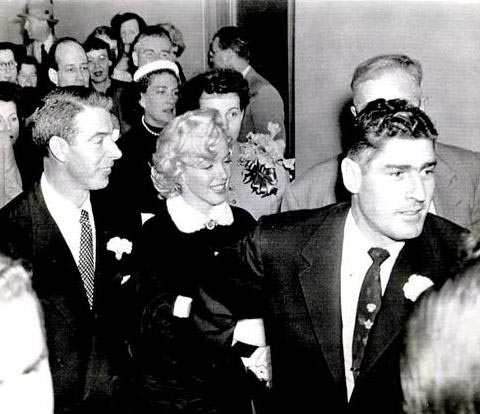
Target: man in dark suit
{"points": [[309, 273], [457, 190], [230, 49], [78, 248]]}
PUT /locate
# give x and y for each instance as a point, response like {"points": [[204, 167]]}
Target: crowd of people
{"points": [[145, 265]]}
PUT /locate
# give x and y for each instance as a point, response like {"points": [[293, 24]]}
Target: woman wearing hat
{"points": [[157, 85]]}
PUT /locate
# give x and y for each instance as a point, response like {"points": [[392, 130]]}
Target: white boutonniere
{"points": [[119, 246], [415, 286]]}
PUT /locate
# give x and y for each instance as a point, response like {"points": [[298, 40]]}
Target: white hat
{"points": [[153, 66]]}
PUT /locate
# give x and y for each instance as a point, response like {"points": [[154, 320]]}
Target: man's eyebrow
{"points": [[406, 167], [100, 134]]}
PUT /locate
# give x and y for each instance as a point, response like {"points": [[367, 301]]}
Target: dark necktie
{"points": [[85, 262], [369, 303], [43, 54]]}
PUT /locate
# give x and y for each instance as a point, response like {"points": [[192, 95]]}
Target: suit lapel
{"points": [[395, 307], [49, 243], [320, 280]]}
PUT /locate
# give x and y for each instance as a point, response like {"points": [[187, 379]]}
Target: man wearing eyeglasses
{"points": [[8, 64]]}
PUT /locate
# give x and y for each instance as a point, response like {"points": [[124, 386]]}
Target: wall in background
{"points": [[332, 37]]}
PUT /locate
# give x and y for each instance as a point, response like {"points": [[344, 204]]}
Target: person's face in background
{"points": [[27, 76], [151, 48], [37, 29], [112, 43], [98, 65], [205, 184], [25, 379], [9, 122], [228, 106], [8, 66], [72, 65], [128, 31], [390, 85], [218, 58], [160, 98]]}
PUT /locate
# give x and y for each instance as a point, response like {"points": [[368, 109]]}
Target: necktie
{"points": [[85, 262], [369, 303]]}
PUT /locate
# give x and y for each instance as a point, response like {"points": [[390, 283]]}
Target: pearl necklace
{"points": [[156, 134]]}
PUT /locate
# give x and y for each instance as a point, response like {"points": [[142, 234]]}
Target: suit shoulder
{"points": [[298, 220], [242, 216], [453, 154], [327, 168], [444, 230]]}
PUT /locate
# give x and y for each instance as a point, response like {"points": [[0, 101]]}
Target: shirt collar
{"points": [[357, 240], [47, 44], [58, 205], [189, 220], [246, 70]]}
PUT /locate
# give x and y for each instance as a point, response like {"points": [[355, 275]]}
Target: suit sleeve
{"points": [[476, 202], [289, 201], [237, 279], [267, 106], [13, 181]]}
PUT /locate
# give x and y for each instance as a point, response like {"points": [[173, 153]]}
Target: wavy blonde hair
{"points": [[187, 140]]}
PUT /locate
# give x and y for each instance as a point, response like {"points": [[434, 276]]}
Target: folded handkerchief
{"points": [[182, 306]]}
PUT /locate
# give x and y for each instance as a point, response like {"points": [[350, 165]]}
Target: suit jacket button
{"points": [[233, 201]]}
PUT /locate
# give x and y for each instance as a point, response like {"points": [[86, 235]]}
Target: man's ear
{"points": [[423, 103], [58, 147], [53, 76], [135, 58], [141, 101], [352, 175]]}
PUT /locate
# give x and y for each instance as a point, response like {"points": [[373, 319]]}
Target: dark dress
{"points": [[130, 181], [180, 369]]}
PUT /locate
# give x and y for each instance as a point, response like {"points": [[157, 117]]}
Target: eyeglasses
{"points": [[4, 66]]}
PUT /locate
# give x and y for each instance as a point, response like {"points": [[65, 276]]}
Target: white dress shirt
{"points": [[355, 263], [37, 47], [67, 217]]}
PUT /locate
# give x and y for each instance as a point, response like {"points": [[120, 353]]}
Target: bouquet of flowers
{"points": [[259, 156]]}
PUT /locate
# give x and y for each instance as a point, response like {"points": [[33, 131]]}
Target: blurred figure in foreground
{"points": [[440, 366], [25, 380]]}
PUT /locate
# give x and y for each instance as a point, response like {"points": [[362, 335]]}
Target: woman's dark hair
{"points": [[216, 81], [117, 22]]}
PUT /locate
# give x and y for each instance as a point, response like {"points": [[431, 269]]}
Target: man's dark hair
{"points": [[156, 30], [52, 61], [95, 43], [216, 81], [232, 37], [381, 120], [10, 92]]}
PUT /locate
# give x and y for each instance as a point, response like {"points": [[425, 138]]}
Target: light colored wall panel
{"points": [[332, 37]]}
